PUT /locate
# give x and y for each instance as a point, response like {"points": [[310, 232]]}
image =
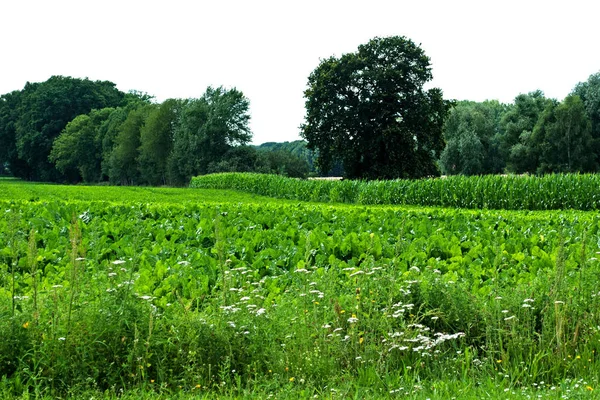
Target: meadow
{"points": [[151, 293]]}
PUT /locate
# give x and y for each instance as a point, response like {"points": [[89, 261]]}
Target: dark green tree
{"points": [[45, 110], [472, 132], [208, 128], [77, 151], [156, 138], [123, 165], [10, 106], [563, 138], [516, 144], [369, 110], [589, 92], [237, 159]]}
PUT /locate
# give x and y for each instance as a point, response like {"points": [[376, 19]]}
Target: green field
{"points": [[196, 293]]}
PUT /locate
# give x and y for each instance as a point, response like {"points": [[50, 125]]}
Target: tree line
{"points": [[535, 134], [368, 116], [76, 130], [370, 111]]}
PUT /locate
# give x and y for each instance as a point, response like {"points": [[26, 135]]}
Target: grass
{"points": [[199, 294]]}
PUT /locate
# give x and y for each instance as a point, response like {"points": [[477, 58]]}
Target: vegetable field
{"points": [[193, 292]]}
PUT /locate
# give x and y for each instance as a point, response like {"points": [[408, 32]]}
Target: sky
{"points": [[267, 49]]}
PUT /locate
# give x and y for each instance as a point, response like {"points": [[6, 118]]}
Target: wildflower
{"points": [[359, 272], [509, 318], [589, 388], [198, 386], [62, 339], [578, 357], [498, 361], [26, 325], [260, 311], [361, 340], [559, 302], [111, 274], [528, 301], [292, 379], [526, 305], [353, 319], [117, 262], [151, 380]]}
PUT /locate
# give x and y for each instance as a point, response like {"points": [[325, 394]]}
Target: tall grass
{"points": [[550, 192]]}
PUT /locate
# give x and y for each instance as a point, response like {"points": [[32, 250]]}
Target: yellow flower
{"points": [[361, 340], [151, 380], [26, 325], [498, 361], [589, 388], [578, 357], [292, 379], [198, 386]]}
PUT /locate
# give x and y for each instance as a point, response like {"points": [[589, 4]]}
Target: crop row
{"points": [[550, 192]]}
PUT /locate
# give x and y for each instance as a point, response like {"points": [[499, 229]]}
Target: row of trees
{"points": [[368, 116], [72, 130], [534, 135], [370, 111]]}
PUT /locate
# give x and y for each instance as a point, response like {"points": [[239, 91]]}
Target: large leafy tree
{"points": [[77, 152], [472, 133], [563, 138], [589, 92], [10, 106], [369, 110], [156, 141], [44, 111], [123, 159], [207, 129], [517, 146]]}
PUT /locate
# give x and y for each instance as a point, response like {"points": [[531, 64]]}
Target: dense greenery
{"points": [[266, 297], [369, 110], [550, 192], [368, 117], [74, 130], [31, 119], [535, 134]]}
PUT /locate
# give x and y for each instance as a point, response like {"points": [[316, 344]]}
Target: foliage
{"points": [[156, 141], [563, 137], [208, 128], [369, 110], [472, 133], [589, 93], [551, 192], [123, 160], [41, 111], [77, 151]]}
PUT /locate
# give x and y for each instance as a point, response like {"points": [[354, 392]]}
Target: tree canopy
{"points": [[369, 110]]}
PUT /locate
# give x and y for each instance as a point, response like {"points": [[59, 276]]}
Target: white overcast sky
{"points": [[176, 48]]}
